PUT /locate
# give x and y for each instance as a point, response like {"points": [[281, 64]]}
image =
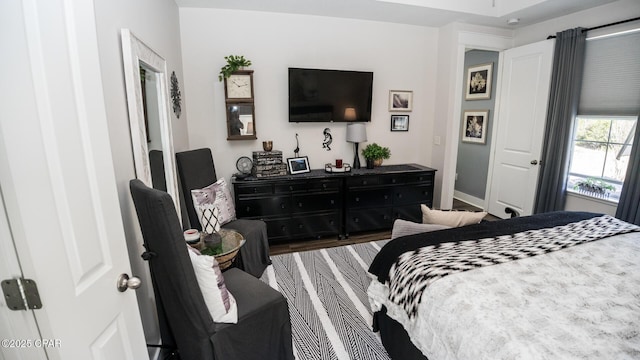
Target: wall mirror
{"points": [[149, 116], [240, 121]]}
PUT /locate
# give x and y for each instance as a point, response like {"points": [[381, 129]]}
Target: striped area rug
{"points": [[327, 295]]}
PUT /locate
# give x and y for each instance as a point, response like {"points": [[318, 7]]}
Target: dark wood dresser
{"points": [[318, 203]]}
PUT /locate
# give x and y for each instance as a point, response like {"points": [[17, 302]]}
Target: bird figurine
{"points": [[327, 139], [297, 149]]}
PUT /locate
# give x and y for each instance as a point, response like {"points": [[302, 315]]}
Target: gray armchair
{"points": [[196, 171], [263, 330]]}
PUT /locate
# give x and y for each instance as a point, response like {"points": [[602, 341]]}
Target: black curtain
{"points": [[629, 204], [566, 80]]}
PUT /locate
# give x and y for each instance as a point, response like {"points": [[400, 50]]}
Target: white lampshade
{"points": [[350, 114], [356, 133]]}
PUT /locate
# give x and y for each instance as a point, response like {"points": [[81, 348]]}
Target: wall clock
{"points": [[239, 85]]}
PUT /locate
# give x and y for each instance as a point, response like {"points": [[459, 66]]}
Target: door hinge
{"points": [[21, 294]]}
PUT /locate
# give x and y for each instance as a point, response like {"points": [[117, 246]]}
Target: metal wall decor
{"points": [[176, 98], [328, 139]]}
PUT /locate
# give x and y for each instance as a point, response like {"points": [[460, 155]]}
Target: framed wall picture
{"points": [[399, 122], [400, 100], [479, 82], [298, 165], [474, 126]]}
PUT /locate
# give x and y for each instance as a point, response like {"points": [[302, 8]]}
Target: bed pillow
{"points": [[404, 228], [219, 195], [451, 218], [221, 304]]}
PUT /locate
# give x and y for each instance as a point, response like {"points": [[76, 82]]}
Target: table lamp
{"points": [[350, 114], [356, 133]]}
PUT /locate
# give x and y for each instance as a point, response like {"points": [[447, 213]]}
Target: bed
{"points": [[561, 285]]}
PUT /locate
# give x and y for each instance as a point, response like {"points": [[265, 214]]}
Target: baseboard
{"points": [[469, 199]]}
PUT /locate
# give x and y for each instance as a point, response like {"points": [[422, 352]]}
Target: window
{"points": [[600, 154], [608, 108]]}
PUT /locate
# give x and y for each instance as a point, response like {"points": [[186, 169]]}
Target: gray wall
{"points": [[473, 159]]}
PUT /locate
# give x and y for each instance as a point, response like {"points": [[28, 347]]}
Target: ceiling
{"points": [[432, 13]]}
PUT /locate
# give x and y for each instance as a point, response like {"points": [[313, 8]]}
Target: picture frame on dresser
{"points": [[298, 165]]}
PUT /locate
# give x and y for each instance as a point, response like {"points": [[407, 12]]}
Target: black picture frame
{"points": [[399, 122], [298, 165]]}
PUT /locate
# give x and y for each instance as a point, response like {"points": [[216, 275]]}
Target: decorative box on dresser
{"points": [[318, 203]]}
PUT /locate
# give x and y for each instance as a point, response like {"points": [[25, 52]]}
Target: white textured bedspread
{"points": [[578, 303]]}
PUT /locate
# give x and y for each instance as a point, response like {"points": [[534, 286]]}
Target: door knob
{"points": [[534, 162], [125, 282]]}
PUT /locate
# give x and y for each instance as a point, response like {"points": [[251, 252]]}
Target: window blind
{"points": [[611, 79]]}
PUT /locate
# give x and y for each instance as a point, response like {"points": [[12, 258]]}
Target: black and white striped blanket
{"points": [[415, 270]]}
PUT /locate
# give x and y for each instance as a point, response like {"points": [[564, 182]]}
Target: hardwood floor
{"points": [[312, 244]]}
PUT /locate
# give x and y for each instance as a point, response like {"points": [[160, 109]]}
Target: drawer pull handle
{"points": [[248, 208], [299, 204], [393, 181], [356, 220], [324, 186], [283, 228], [290, 188], [282, 206], [399, 196], [420, 178], [331, 222], [255, 190], [300, 226], [332, 202], [386, 197], [357, 199], [385, 217], [364, 182]]}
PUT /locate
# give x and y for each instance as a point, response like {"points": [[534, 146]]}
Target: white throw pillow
{"points": [[221, 304], [404, 228], [219, 195], [451, 218]]}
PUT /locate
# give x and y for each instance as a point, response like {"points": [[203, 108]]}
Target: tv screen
{"points": [[329, 95]]}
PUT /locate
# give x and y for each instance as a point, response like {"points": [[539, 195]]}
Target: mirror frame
{"points": [[134, 52], [251, 136]]}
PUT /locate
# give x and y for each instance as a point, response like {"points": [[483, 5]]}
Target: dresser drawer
{"points": [[409, 212], [425, 178], [254, 189], [370, 198], [412, 194], [311, 226], [369, 219], [268, 206], [316, 202], [358, 181], [314, 226]]}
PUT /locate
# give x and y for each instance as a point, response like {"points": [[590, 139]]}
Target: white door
{"points": [[520, 123], [58, 182]]}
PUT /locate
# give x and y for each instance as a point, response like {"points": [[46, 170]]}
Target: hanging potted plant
{"points": [[374, 154], [234, 63], [594, 187]]}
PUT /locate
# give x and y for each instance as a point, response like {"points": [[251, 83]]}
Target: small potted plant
{"points": [[374, 154], [234, 63], [594, 187]]}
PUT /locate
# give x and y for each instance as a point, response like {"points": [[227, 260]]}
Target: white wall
{"points": [[601, 15], [156, 23], [402, 57]]}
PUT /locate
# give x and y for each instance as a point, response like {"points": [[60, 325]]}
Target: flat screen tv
{"points": [[317, 95]]}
